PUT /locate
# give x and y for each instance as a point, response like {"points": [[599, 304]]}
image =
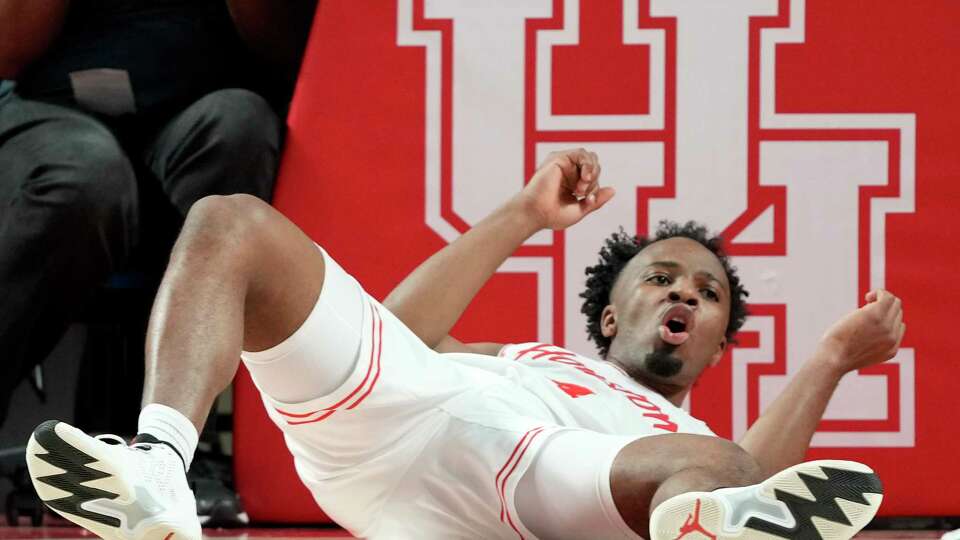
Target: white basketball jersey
{"points": [[587, 393]]}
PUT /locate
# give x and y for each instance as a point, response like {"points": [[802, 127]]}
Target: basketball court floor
{"points": [[73, 533]]}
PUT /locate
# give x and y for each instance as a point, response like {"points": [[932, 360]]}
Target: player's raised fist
{"points": [[565, 188], [870, 335]]}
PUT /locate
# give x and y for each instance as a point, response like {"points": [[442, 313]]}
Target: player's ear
{"points": [[718, 354], [608, 321]]}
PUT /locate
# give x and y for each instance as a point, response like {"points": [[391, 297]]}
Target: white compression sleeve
{"points": [[566, 491], [321, 354]]}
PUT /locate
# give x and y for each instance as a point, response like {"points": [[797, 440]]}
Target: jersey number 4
{"points": [[573, 390]]}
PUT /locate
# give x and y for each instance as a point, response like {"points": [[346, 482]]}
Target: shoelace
{"points": [[116, 440], [111, 439]]}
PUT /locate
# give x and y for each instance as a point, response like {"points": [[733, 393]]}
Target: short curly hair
{"points": [[621, 247]]}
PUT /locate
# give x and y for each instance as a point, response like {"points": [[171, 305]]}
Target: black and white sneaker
{"points": [[115, 491], [817, 500]]}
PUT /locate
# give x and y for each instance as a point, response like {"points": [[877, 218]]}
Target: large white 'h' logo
{"points": [[842, 173]]}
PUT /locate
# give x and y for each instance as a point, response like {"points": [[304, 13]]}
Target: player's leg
{"points": [[711, 487], [619, 479], [650, 470], [241, 275], [672, 486]]}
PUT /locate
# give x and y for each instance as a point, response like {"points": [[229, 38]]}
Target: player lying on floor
{"points": [[401, 431]]}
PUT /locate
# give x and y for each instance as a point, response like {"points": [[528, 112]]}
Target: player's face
{"points": [[668, 314]]}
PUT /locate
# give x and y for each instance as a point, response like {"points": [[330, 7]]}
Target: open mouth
{"points": [[676, 324]]}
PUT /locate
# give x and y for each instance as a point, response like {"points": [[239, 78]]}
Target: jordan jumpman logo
{"points": [[693, 525]]}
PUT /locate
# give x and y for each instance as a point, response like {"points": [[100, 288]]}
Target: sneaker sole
{"points": [[817, 500], [69, 471]]}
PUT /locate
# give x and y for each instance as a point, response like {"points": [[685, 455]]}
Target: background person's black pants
{"points": [[71, 207]]}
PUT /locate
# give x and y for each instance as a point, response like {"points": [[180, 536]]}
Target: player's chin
{"points": [[684, 352]]}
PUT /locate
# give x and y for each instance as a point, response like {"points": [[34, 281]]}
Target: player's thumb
{"points": [[602, 197]]}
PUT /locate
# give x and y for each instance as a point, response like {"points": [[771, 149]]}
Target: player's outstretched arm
{"points": [[870, 335], [429, 301]]}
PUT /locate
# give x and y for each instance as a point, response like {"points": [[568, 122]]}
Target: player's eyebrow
{"points": [[667, 264]]}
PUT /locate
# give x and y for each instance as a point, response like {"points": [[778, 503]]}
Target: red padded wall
{"points": [[355, 163]]}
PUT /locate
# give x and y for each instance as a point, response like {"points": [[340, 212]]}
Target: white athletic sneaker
{"points": [[117, 492], [817, 500]]}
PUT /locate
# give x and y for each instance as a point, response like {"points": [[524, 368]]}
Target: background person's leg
{"points": [[225, 143], [68, 217]]}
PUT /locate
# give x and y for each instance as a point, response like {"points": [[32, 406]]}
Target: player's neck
{"points": [[678, 397]]}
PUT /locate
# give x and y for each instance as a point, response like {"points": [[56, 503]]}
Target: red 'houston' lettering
{"points": [[667, 425], [643, 403]]}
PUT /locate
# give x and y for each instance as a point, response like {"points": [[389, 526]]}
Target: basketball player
{"points": [[401, 431]]}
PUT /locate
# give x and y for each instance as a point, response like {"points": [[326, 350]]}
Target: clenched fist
{"points": [[870, 335], [565, 189]]}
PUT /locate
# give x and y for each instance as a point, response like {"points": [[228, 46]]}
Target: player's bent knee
{"points": [[231, 221], [647, 464], [229, 209], [734, 464], [643, 464], [726, 460]]}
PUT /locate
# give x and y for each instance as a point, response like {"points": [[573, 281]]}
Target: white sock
{"points": [[170, 426]]}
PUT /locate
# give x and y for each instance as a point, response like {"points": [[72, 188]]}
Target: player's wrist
{"points": [[525, 215], [831, 358]]}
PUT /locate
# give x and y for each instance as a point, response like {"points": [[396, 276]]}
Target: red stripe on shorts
{"points": [[374, 353], [378, 343]]}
